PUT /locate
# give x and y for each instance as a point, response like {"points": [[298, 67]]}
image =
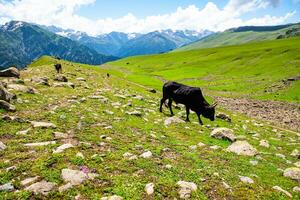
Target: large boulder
{"points": [[292, 173], [242, 148], [7, 106], [5, 95], [223, 133], [10, 72]]}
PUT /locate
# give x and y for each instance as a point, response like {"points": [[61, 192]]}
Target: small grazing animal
{"points": [[58, 68], [108, 75], [191, 97]]}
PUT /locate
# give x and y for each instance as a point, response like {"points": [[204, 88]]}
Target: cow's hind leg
{"points": [[170, 106], [162, 101], [187, 113]]}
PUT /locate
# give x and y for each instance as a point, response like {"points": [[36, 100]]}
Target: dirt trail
{"points": [[279, 113]]}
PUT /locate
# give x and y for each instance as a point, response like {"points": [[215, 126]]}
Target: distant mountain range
{"points": [[129, 44], [245, 34], [21, 43]]}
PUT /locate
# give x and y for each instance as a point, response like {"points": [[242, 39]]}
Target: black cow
{"points": [[191, 97], [58, 68]]}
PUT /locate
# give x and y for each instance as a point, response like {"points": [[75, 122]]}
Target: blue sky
{"points": [[144, 8], [103, 16]]}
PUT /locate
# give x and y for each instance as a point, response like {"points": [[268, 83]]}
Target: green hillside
{"points": [[108, 124], [254, 70], [244, 35]]}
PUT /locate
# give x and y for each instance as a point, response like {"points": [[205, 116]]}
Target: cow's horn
{"points": [[214, 105]]}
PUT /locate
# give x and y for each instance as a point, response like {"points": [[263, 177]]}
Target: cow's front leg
{"points": [[200, 121], [170, 106], [187, 113]]}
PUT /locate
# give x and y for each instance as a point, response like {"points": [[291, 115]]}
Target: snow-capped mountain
{"points": [[128, 44]]}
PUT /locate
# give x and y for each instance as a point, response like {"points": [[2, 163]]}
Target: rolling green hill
{"points": [[244, 35], [254, 70], [107, 137]]}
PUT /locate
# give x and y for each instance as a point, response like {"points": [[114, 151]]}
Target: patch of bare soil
{"points": [[279, 113]]}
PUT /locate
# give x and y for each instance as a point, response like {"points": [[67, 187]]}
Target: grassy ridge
{"points": [[232, 37], [248, 69]]}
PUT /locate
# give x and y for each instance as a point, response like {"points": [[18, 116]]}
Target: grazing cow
{"points": [[108, 75], [191, 97], [58, 68]]}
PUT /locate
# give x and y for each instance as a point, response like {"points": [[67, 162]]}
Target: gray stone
{"points": [[64, 84], [5, 95], [173, 120], [147, 154], [30, 180], [42, 124], [295, 153], [246, 179], [296, 189], [41, 80], [10, 72], [22, 88], [65, 187], [7, 187], [149, 188], [223, 133], [62, 148], [7, 106], [42, 187], [282, 190], [264, 143], [60, 78], [39, 144], [135, 113], [75, 177], [292, 173], [2, 146], [242, 148], [114, 197], [186, 188]]}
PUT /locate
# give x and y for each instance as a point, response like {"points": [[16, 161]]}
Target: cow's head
{"points": [[209, 112]]}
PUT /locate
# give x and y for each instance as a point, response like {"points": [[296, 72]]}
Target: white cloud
{"points": [[62, 13]]}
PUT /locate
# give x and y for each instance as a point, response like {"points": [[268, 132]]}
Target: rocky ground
{"points": [[282, 114], [82, 135]]}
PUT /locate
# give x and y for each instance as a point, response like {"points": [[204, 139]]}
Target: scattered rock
{"points": [[39, 144], [186, 188], [297, 164], [25, 132], [7, 187], [30, 180], [264, 143], [5, 95], [22, 88], [296, 189], [295, 153], [114, 197], [129, 156], [2, 146], [62, 148], [223, 133], [223, 116], [200, 144], [149, 188], [7, 106], [282, 190], [59, 135], [65, 187], [75, 177], [246, 179], [292, 173], [60, 78], [280, 155], [41, 80], [64, 84], [242, 148], [80, 155], [173, 120], [10, 72], [42, 124], [42, 187], [135, 113], [253, 162], [147, 154], [80, 79]]}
